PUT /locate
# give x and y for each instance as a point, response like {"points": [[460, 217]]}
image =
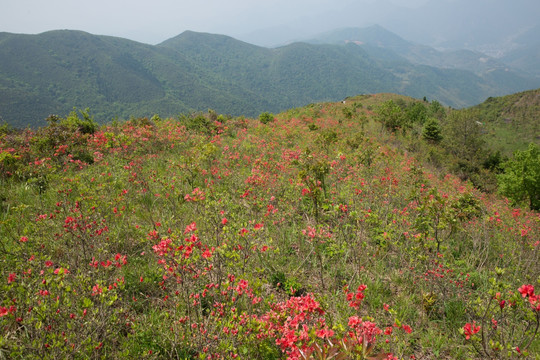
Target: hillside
{"points": [[512, 121], [319, 232], [56, 71], [526, 58]]}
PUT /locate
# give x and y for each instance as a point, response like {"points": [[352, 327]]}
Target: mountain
{"points": [[463, 24], [376, 39], [55, 71], [525, 54], [58, 70], [487, 26], [295, 74]]}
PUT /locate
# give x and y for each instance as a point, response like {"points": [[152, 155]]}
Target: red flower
{"points": [[407, 329], [61, 271], [356, 299], [96, 290], [324, 333], [258, 226], [23, 239], [11, 278], [526, 290], [190, 228], [207, 254], [470, 329]]}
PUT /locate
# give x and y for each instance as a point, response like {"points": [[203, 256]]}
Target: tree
{"points": [[391, 115], [432, 131], [463, 136], [521, 178], [436, 110], [416, 113]]}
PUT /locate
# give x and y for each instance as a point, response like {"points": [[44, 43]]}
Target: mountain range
{"points": [[55, 71]]}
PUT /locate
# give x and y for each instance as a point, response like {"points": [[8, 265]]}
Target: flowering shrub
{"points": [[208, 237]]}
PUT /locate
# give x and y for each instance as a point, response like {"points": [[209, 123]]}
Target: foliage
{"points": [[119, 78], [391, 115], [432, 130], [266, 117], [521, 178], [510, 122], [416, 113], [314, 236]]}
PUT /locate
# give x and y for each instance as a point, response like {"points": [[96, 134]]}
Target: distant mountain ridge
{"points": [[55, 71], [378, 37]]}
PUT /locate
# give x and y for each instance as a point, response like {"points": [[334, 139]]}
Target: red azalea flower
{"points": [[11, 278], [526, 290], [470, 329]]}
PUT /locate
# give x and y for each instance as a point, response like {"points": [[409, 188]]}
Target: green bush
{"points": [[266, 117], [521, 178]]}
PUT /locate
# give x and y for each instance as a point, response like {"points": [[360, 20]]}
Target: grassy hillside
{"points": [[512, 121], [55, 71], [208, 237]]}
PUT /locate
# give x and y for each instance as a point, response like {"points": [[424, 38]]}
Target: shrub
{"points": [[266, 117], [521, 178]]}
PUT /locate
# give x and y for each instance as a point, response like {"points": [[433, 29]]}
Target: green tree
{"points": [[416, 113], [463, 136], [521, 178], [436, 110], [432, 130], [391, 115]]}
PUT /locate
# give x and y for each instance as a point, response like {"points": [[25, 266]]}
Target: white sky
{"points": [[153, 21]]}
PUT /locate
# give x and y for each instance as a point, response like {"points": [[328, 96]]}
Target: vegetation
{"points": [[521, 178], [266, 117], [432, 131], [320, 234], [510, 122], [117, 78]]}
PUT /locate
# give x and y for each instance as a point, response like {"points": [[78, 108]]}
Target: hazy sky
{"points": [[153, 21]]}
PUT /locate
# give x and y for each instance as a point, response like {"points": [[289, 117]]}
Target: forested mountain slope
{"points": [[58, 70]]}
